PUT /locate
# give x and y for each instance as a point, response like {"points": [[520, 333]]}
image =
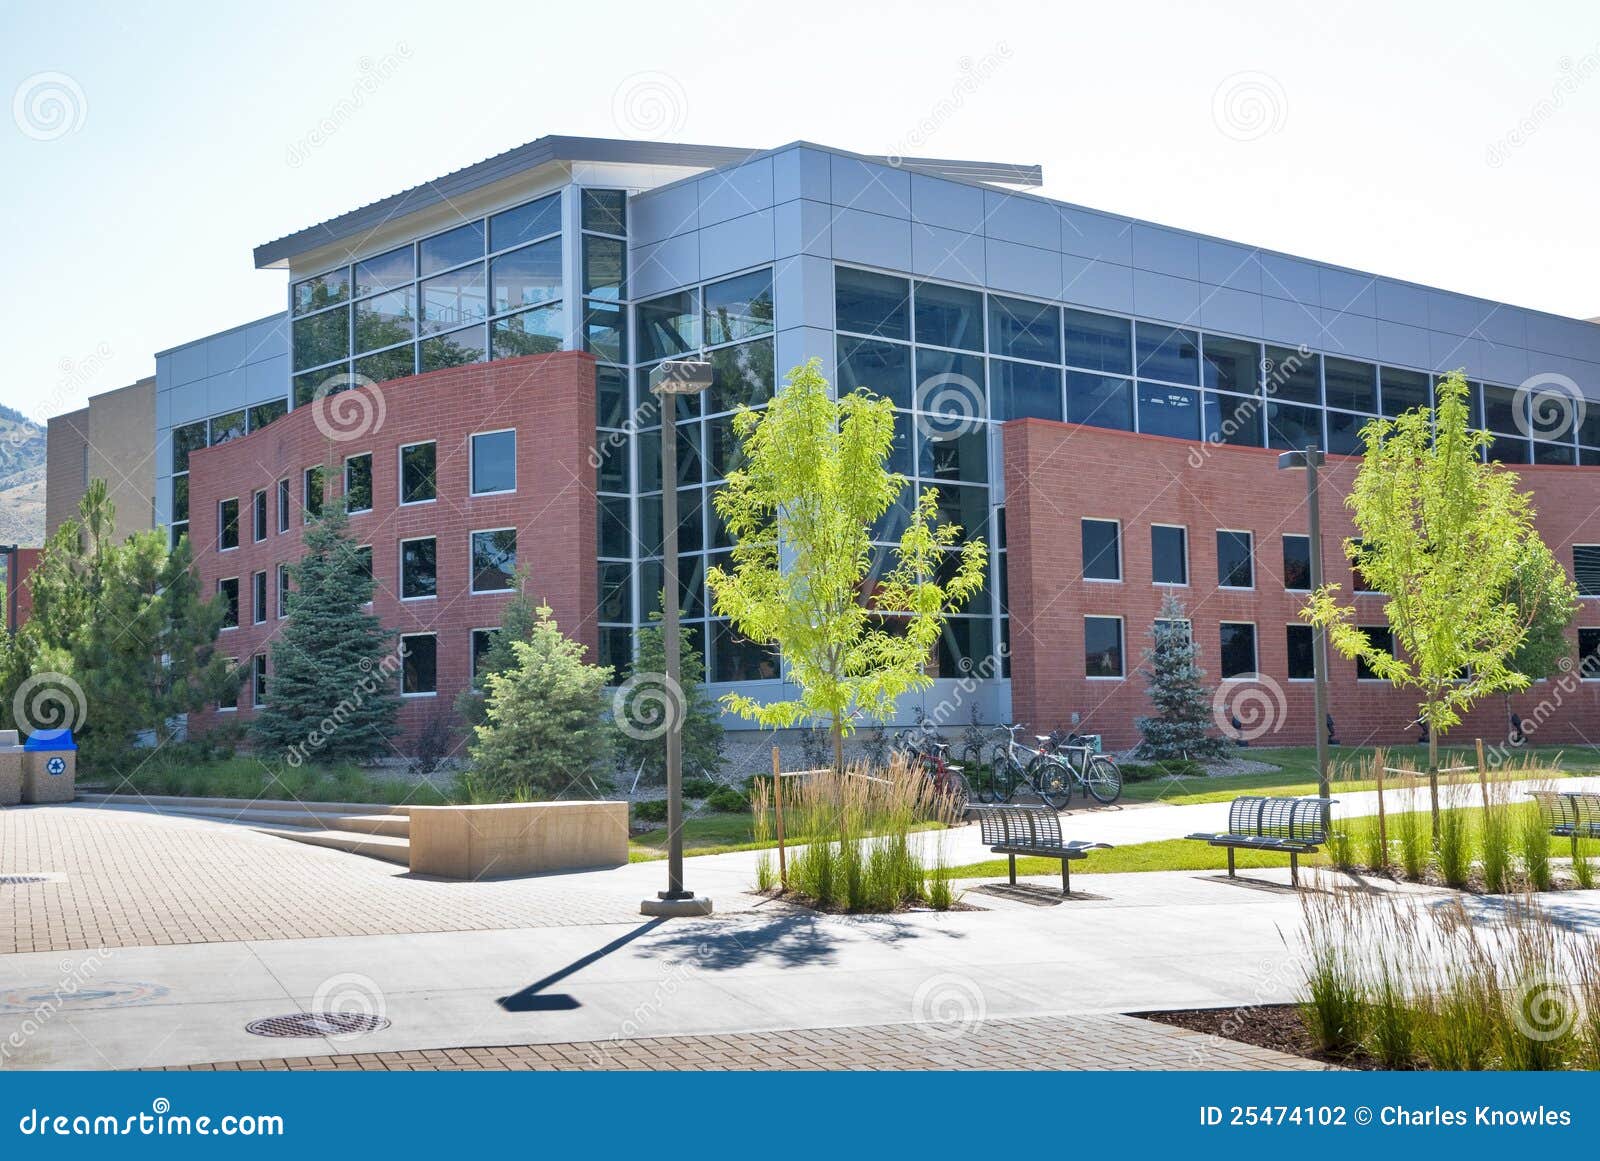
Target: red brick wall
{"points": [[26, 560], [1057, 474], [548, 399]]}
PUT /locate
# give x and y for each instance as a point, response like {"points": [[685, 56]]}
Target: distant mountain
{"points": [[22, 454]]}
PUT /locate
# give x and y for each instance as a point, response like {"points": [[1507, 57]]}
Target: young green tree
{"points": [[331, 696], [125, 625], [800, 513], [1175, 684], [545, 733], [1546, 602], [517, 621], [1442, 534], [701, 724]]}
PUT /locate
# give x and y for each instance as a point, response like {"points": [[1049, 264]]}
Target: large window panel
{"points": [[1291, 427], [190, 437], [1099, 342], [525, 223], [604, 266], [1169, 411], [1233, 420], [1502, 407], [738, 308], [451, 248], [964, 646], [225, 428], [532, 332], [611, 397], [1403, 390], [1169, 353], [392, 270], [449, 300], [964, 506], [950, 389], [262, 414], [1293, 377], [605, 331], [494, 560], [526, 277], [1024, 330], [323, 290], [1100, 400], [1350, 384], [321, 338], [949, 316], [456, 349], [958, 455], [742, 375], [396, 363], [1344, 433], [882, 368], [737, 659], [384, 320], [1232, 365], [668, 326], [1024, 390], [872, 304], [605, 210]]}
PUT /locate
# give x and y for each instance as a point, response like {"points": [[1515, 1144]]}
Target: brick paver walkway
{"points": [[1041, 1043], [125, 879]]}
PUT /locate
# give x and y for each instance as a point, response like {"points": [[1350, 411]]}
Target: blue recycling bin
{"points": [[49, 767], [50, 740]]}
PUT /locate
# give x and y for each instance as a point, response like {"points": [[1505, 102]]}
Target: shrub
{"points": [[727, 799], [1170, 768], [650, 810], [700, 787]]}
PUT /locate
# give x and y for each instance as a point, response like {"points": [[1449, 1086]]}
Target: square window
{"points": [[1238, 649], [494, 462], [314, 488], [1293, 377], [283, 505], [1102, 550], [1100, 401], [185, 439], [605, 210], [258, 516], [451, 248], [1170, 354], [949, 316], [1233, 420], [228, 590], [1169, 411], [419, 568], [420, 674], [525, 223], [1291, 428], [1024, 330], [872, 304], [1586, 569], [1589, 654], [1380, 637], [358, 483], [258, 681], [228, 525], [494, 561], [1235, 560], [1301, 642], [738, 308], [1099, 342], [1350, 385], [882, 368], [1024, 390], [417, 467], [1169, 554], [1231, 365], [1102, 646], [1296, 563], [1403, 390], [258, 598], [666, 327]]}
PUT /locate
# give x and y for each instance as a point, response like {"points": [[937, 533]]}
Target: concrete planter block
{"points": [[10, 776], [49, 775], [517, 838]]}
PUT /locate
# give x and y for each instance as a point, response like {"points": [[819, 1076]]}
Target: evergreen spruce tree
{"points": [[702, 725], [545, 735], [517, 621], [1175, 683], [331, 695]]}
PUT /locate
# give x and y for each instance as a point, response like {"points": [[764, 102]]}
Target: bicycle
{"points": [[925, 752], [1044, 773], [1096, 773]]}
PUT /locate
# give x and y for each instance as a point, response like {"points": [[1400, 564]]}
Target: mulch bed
{"points": [[1475, 884], [1275, 1026]]}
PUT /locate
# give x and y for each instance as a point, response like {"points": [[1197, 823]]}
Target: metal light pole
{"points": [[671, 379], [1309, 461]]}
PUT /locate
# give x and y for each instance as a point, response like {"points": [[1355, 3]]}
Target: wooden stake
{"points": [[777, 800], [1383, 823], [1483, 775]]}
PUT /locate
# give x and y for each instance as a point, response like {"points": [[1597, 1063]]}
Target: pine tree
{"points": [[702, 726], [1175, 684], [545, 736], [517, 622], [331, 694]]}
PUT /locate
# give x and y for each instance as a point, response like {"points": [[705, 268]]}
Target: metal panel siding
{"points": [[1022, 269], [1230, 310], [947, 204], [953, 255], [1224, 264], [877, 189], [1100, 236], [1165, 251], [1100, 285], [735, 244], [871, 239], [1025, 221], [732, 193]]}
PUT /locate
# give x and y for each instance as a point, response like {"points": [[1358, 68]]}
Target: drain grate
{"points": [[22, 880], [317, 1024]]}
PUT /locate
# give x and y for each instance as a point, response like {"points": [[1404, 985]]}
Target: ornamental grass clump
{"points": [[1414, 844], [1497, 869], [1332, 1008], [1533, 841], [1453, 856]]}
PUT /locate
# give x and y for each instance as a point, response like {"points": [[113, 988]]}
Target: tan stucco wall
{"points": [[120, 430]]}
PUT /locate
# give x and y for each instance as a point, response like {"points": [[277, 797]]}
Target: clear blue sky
{"points": [[1358, 134]]}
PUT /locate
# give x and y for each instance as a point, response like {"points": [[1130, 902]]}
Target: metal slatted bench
{"points": [[1291, 826], [1571, 814], [1031, 830]]}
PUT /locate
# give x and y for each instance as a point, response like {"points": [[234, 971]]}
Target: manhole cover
{"points": [[317, 1024]]}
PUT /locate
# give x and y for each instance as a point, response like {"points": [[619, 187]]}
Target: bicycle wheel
{"points": [[1004, 778], [1052, 780], [1103, 780], [958, 792]]}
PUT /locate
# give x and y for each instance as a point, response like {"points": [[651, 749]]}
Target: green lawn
{"points": [[174, 773], [1351, 768]]}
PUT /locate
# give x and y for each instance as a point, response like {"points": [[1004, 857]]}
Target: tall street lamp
{"points": [[669, 380], [1309, 461]]}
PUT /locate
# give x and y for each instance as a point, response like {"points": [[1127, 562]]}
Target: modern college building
{"points": [[1101, 398]]}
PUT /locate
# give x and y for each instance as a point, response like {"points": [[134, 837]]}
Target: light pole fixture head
{"points": [[1291, 461], [681, 377]]}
